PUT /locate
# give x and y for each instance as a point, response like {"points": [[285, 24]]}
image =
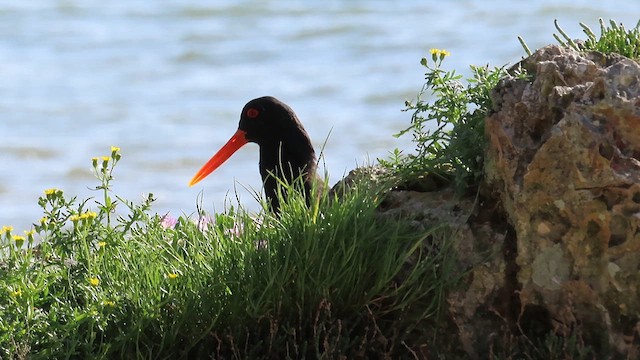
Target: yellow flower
{"points": [[87, 215], [94, 281], [105, 164], [17, 238], [115, 149], [439, 52], [30, 232], [16, 293], [84, 216], [50, 191], [437, 55], [102, 244], [108, 303], [6, 229], [44, 220], [172, 275]]}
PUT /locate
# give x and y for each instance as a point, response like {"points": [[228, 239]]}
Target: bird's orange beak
{"points": [[236, 142]]}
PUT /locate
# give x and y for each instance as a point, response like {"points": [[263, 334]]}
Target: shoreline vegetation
{"points": [[106, 277]]}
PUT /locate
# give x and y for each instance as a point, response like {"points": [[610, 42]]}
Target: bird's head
{"points": [[266, 121]]}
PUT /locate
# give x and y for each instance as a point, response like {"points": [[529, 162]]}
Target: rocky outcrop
{"points": [[563, 161], [553, 243]]}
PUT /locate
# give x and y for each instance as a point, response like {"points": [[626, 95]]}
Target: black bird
{"points": [[285, 148]]}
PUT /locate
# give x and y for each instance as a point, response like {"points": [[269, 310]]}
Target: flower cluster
{"points": [[17, 239], [6, 230], [439, 54], [89, 215], [104, 160], [53, 192], [51, 202], [203, 222]]}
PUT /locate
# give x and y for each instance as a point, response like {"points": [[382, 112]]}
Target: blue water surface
{"points": [[165, 81]]}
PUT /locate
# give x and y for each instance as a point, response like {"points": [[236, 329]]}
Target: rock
{"points": [[563, 161], [375, 176]]}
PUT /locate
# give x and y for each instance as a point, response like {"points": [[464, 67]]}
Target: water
{"points": [[165, 81]]}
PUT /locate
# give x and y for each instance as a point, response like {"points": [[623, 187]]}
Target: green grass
{"points": [[614, 39], [110, 279], [548, 347]]}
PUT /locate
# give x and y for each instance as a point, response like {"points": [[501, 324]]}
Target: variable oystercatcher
{"points": [[285, 148]]}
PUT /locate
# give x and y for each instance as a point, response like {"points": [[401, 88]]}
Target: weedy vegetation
{"points": [[447, 125], [614, 38], [447, 122], [107, 278]]}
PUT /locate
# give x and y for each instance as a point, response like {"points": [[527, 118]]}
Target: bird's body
{"points": [[286, 152]]}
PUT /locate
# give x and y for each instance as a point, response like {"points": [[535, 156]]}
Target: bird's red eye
{"points": [[252, 113]]}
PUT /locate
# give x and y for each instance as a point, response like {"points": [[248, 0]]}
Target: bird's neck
{"points": [[279, 155]]}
